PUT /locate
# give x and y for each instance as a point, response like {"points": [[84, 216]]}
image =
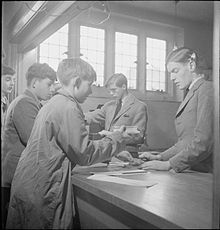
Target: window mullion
{"points": [[109, 53], [141, 63], [74, 39]]}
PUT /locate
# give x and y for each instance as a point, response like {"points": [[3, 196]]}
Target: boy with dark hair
{"points": [[19, 121]]}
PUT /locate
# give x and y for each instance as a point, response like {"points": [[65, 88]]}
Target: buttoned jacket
{"points": [[194, 127], [133, 113], [19, 121]]}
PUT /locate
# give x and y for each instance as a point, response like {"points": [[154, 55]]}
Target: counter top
{"points": [[177, 200]]}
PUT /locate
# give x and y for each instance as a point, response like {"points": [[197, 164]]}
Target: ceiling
{"points": [[191, 10], [201, 11]]}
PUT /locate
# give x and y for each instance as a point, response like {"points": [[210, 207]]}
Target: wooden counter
{"points": [[178, 200]]}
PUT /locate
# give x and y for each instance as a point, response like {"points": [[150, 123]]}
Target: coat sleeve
{"points": [[172, 151], [73, 139], [97, 116], [199, 148], [24, 116]]}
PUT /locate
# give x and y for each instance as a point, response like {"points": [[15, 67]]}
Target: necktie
{"points": [[186, 91], [118, 107]]}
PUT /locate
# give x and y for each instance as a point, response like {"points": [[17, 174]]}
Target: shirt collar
{"points": [[194, 81], [68, 95], [30, 93], [124, 99], [4, 100]]}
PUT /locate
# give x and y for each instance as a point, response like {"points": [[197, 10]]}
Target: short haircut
{"points": [[40, 71], [7, 70], [72, 67], [184, 55], [118, 78]]}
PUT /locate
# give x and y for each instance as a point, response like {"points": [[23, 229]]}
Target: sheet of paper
{"points": [[118, 164], [123, 172], [118, 180]]}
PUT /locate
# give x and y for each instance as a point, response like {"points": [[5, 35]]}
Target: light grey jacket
{"points": [[132, 113], [19, 121], [194, 127]]}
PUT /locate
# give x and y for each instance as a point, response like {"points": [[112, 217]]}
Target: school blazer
{"points": [[194, 127], [132, 113], [19, 121]]}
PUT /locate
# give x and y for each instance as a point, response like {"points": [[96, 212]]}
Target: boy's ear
{"points": [[77, 82], [124, 86], [192, 66], [34, 82]]}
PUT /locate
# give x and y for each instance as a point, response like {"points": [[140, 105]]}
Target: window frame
{"points": [[100, 27], [142, 29], [166, 73], [130, 33], [68, 43]]}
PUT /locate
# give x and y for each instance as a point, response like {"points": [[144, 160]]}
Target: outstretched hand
{"points": [[149, 155], [105, 133], [127, 157]]}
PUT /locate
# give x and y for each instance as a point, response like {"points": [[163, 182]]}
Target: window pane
{"points": [[155, 68], [44, 50], [156, 76], [155, 85], [53, 62], [92, 48], [54, 38], [63, 39], [53, 48], [44, 60], [125, 57], [53, 51]]}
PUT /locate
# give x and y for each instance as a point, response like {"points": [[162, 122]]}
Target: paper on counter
{"points": [[118, 164], [119, 180], [123, 172]]}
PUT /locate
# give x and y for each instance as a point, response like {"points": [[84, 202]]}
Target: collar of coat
{"points": [[190, 95], [130, 99], [29, 93], [70, 97]]}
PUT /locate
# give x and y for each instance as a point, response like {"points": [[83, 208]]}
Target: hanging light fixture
{"points": [[98, 17], [175, 25]]}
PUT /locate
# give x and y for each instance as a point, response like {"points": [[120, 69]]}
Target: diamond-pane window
{"points": [[126, 57], [155, 64], [54, 48], [92, 49]]}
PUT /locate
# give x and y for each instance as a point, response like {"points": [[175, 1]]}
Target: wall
{"points": [[200, 37]]}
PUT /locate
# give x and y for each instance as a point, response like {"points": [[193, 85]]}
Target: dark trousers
{"points": [[5, 198]]}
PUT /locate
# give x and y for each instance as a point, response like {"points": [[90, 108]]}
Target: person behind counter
{"points": [[20, 119], [194, 118], [126, 110], [42, 195]]}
